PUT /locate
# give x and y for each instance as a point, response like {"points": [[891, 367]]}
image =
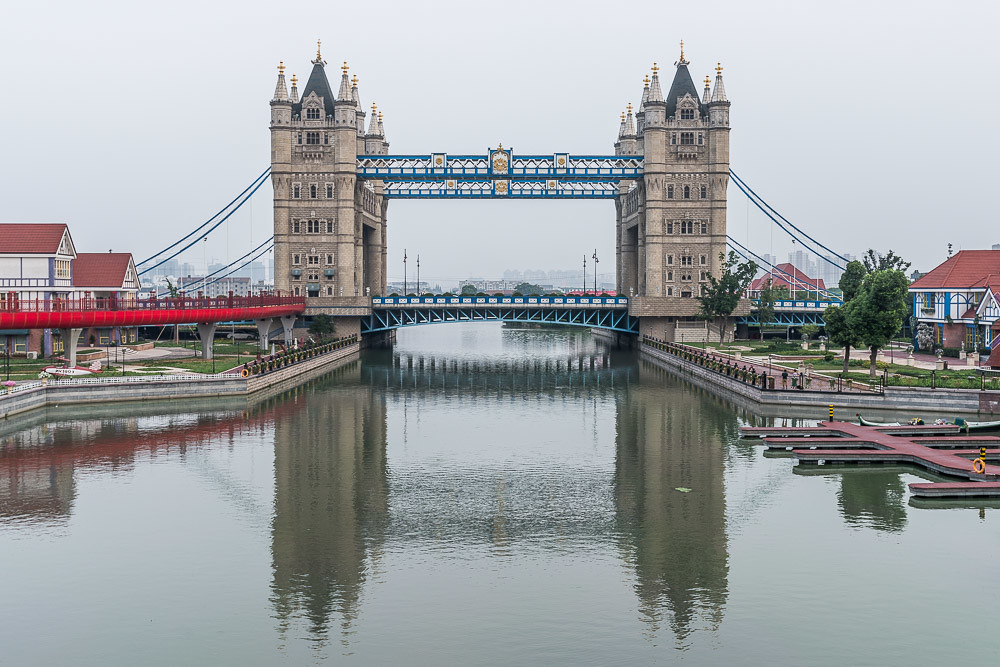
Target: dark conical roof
{"points": [[682, 85], [319, 84]]}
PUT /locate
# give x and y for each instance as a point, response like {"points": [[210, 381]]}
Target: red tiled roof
{"points": [[779, 279], [964, 269], [100, 269], [31, 237]]}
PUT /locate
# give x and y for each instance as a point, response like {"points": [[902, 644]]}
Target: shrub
{"points": [[829, 356]]}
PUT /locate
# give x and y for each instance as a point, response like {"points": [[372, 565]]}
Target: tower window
{"points": [[326, 138], [687, 114], [312, 138], [673, 138], [703, 259], [295, 227], [312, 192], [299, 137], [296, 191], [329, 191], [329, 227], [687, 227], [296, 291], [704, 192], [670, 291], [670, 275], [313, 227], [687, 192], [329, 259], [670, 228], [687, 138], [670, 260], [314, 259], [312, 114], [296, 258], [329, 291], [704, 228], [670, 192], [701, 139]]}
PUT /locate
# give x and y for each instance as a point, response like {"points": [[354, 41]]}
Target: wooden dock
{"points": [[941, 449]]}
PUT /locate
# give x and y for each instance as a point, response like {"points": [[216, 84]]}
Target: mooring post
{"points": [[831, 412]]}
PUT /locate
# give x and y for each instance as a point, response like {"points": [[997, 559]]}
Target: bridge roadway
{"points": [[71, 316], [600, 312]]}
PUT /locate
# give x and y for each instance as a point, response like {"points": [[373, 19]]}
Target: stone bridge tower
{"points": [[671, 225], [329, 226]]}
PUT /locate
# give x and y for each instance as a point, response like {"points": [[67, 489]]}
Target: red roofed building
{"points": [[38, 261], [960, 299], [788, 276]]}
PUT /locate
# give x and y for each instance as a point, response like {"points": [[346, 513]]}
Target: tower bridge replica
{"points": [[334, 176]]}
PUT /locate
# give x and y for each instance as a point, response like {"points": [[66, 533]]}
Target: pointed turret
{"points": [[295, 90], [719, 94], [354, 93], [381, 128], [629, 123], [280, 90], [681, 85], [317, 83], [655, 93], [707, 95], [621, 130], [359, 113], [645, 93], [373, 126], [344, 94]]}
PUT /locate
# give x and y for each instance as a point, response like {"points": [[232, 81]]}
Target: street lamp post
{"points": [[595, 270], [418, 275], [404, 271], [584, 275]]}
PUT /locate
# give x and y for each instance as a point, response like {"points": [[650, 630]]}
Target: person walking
{"points": [[784, 379]]}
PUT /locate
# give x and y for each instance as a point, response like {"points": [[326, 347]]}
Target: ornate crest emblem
{"points": [[499, 162], [561, 161], [501, 187], [439, 160]]}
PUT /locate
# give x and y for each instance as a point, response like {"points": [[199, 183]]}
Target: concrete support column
{"points": [[70, 337], [264, 331], [288, 323], [206, 331]]}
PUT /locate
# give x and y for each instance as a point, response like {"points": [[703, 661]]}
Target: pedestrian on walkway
{"points": [[784, 379]]}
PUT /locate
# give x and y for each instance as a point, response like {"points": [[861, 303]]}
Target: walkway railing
{"points": [[761, 375], [290, 357], [14, 304], [547, 301]]}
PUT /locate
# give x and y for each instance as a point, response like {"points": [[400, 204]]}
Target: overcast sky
{"points": [[870, 124]]}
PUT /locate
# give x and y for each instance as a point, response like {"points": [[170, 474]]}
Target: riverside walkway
{"points": [[939, 449]]}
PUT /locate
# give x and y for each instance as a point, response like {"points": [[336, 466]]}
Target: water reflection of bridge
{"points": [[339, 503]]}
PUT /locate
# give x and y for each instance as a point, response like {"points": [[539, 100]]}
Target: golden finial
{"points": [[380, 116], [344, 68], [374, 107], [281, 67], [319, 43], [354, 81], [645, 81], [500, 146], [655, 69], [707, 80], [682, 50], [718, 69], [623, 116], [295, 80], [630, 108]]}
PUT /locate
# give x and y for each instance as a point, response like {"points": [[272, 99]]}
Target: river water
{"points": [[476, 495]]}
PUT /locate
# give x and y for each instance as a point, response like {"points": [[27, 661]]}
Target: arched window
{"points": [[296, 192], [312, 192], [704, 192], [687, 114], [329, 191], [670, 192], [312, 114], [687, 192]]}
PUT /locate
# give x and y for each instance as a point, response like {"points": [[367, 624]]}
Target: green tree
{"points": [[172, 289], [875, 261], [877, 312], [723, 294], [321, 325], [765, 305], [468, 290], [838, 328], [528, 288], [850, 280]]}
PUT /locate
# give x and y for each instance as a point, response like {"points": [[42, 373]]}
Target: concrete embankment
{"points": [[895, 399], [71, 392]]}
